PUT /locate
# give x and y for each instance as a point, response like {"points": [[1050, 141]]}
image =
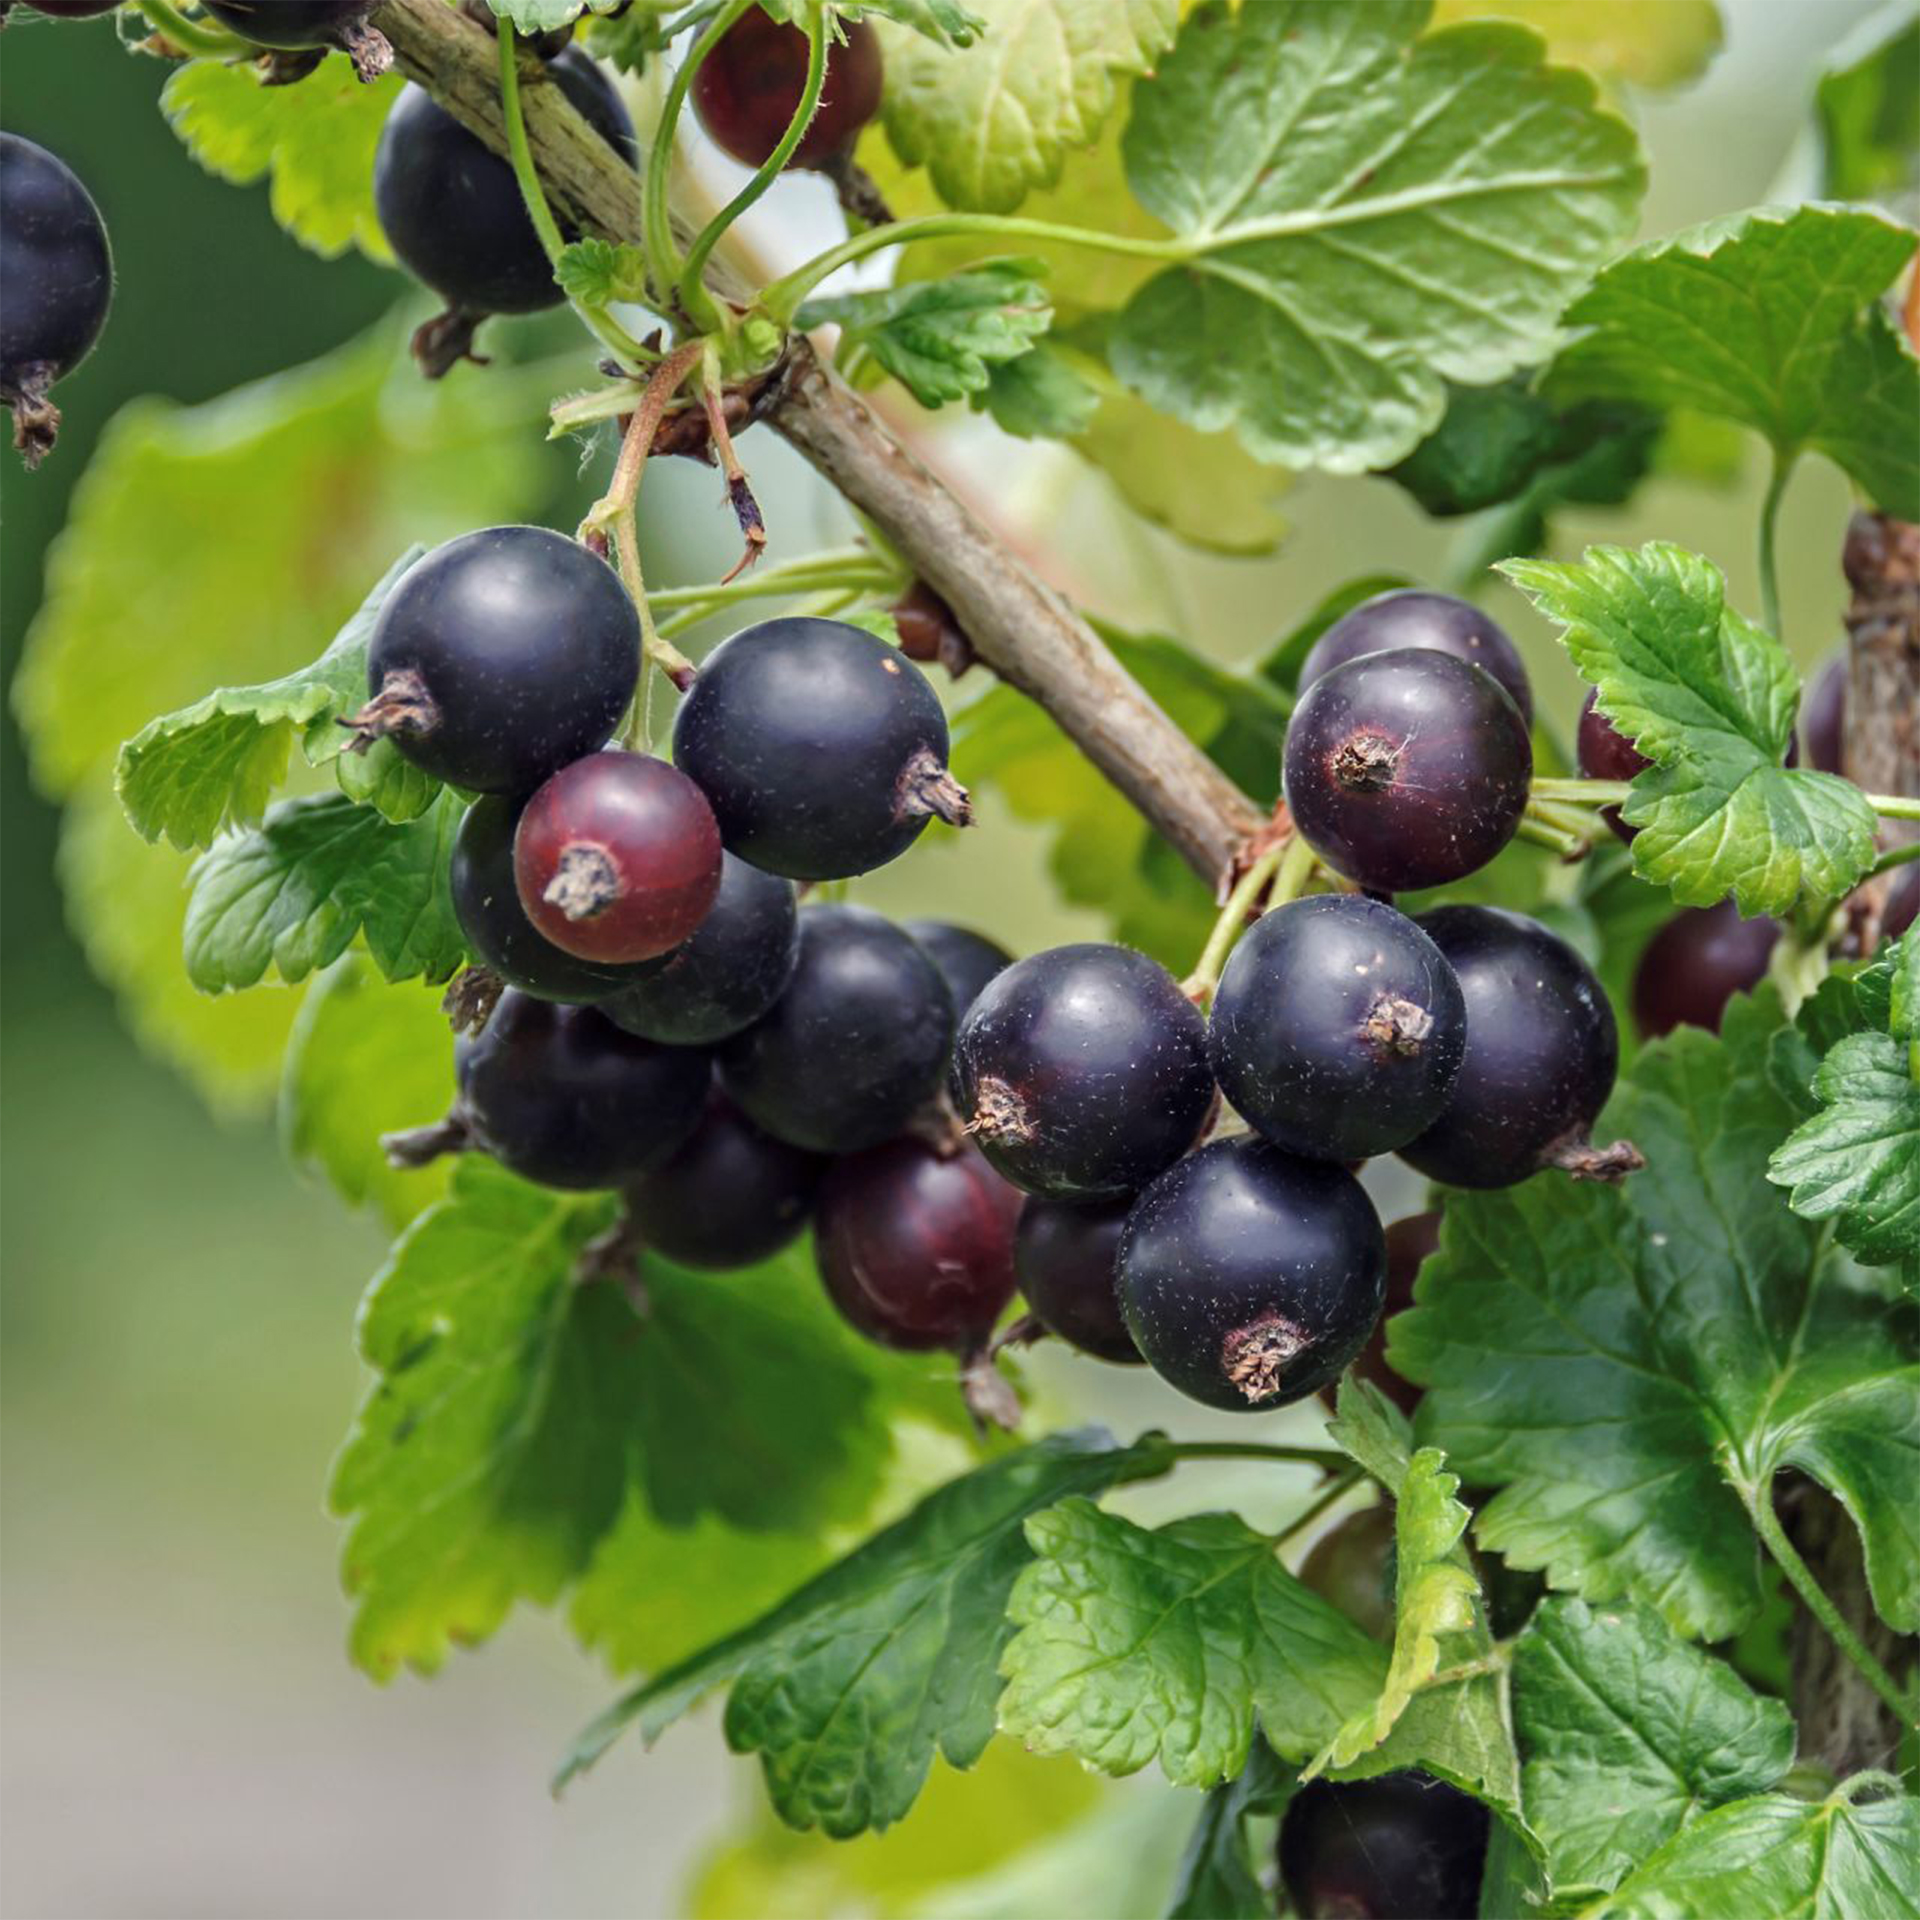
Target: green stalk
{"points": [[1895, 857], [663, 257], [192, 36], [1327, 1459], [1895, 806], [1536, 830], [1769, 532], [1582, 793], [1287, 865], [1800, 1577], [1335, 1491], [693, 293], [604, 327]]}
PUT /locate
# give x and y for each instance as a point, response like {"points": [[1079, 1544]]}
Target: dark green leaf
{"points": [[1630, 1367], [849, 1686], [1423, 161], [1770, 318], [1710, 698], [1217, 1879], [1041, 395], [293, 893], [1626, 1733]]}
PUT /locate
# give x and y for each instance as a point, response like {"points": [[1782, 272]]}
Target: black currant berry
{"points": [[1605, 753], [498, 933], [500, 658], [822, 749], [1082, 1072], [560, 1095], [1353, 1567], [1903, 903], [1249, 1278], [855, 1046], [1541, 1054], [727, 975], [452, 211], [915, 1246], [55, 290], [1409, 1242], [730, 1196], [749, 88], [295, 26], [1407, 769], [1391, 1848], [967, 960], [1338, 1028], [1067, 1260], [617, 858], [1410, 617], [1696, 963], [1823, 715]]}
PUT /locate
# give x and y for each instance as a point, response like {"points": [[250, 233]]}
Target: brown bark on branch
{"points": [[1025, 631]]}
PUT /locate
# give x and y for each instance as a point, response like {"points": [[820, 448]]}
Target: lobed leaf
{"points": [[1630, 1368], [318, 874], [1626, 1733], [1709, 697], [1772, 319], [850, 1686], [1361, 217]]}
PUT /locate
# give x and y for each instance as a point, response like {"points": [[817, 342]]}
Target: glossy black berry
{"points": [[451, 208], [1541, 1054], [729, 1196], [1411, 617], [1391, 1848], [296, 26], [501, 657], [1605, 753], [560, 1095], [967, 960], [822, 749], [854, 1047], [1248, 1277], [1407, 769], [1067, 1258], [1353, 1567], [498, 933], [1823, 715], [1338, 1028], [1696, 963], [732, 970], [1082, 1072], [916, 1246], [1409, 1243], [55, 290], [617, 858], [750, 86]]}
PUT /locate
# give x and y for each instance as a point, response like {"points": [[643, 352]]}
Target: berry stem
{"points": [[845, 567], [1582, 793], [1285, 866], [1330, 1495], [193, 36], [1800, 1577], [1896, 806], [1327, 1459], [1568, 845], [1578, 821], [1894, 857], [694, 296], [601, 324], [746, 509], [1769, 532], [663, 255]]}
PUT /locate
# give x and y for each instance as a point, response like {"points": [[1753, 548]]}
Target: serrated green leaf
{"points": [[1775, 1858], [1856, 1000], [994, 120], [515, 1411], [1857, 1159], [316, 141], [1646, 43], [365, 1058], [1426, 160], [1868, 113], [1770, 318], [849, 1687], [1626, 1733], [539, 16], [1710, 698], [1630, 1368], [1045, 394], [216, 764], [594, 273], [1216, 1878], [295, 892], [1139, 1645], [941, 339]]}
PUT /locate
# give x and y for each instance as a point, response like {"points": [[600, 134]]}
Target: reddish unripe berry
{"points": [[750, 86], [1353, 1567], [916, 1247], [1823, 715], [1696, 963], [1067, 1258], [617, 858], [1605, 753]]}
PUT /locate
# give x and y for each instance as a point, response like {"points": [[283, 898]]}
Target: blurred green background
{"points": [[182, 1733]]}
